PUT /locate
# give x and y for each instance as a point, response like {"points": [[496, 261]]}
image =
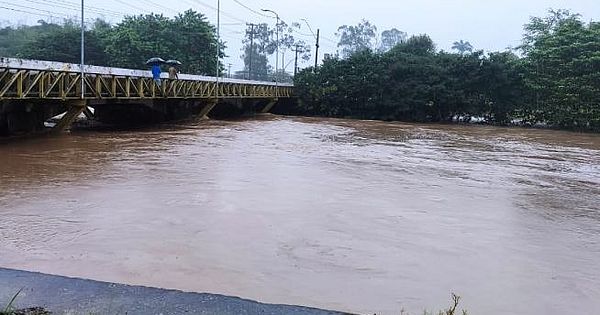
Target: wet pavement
{"points": [[62, 295]]}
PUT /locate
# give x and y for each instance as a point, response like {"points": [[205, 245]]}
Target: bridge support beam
{"points": [[88, 113], [75, 108], [208, 107], [269, 106]]}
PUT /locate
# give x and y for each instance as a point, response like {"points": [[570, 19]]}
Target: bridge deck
{"points": [[34, 79]]}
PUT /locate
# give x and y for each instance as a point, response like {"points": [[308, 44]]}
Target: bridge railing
{"points": [[46, 80]]}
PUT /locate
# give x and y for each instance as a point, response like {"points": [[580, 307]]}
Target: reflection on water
{"points": [[357, 216]]}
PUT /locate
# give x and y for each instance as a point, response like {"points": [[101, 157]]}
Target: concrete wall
{"points": [[135, 113], [22, 117]]}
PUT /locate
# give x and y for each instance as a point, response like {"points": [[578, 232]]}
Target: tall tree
{"points": [[562, 70], [189, 37], [260, 43], [260, 63], [391, 38], [462, 47], [357, 38]]}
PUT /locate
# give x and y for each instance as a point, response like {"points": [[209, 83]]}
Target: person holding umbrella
{"points": [[173, 72], [155, 62]]}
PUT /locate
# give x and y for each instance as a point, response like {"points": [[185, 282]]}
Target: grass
{"points": [[450, 311], [9, 309]]}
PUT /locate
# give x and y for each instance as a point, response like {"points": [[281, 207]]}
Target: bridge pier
{"points": [[74, 109], [269, 106], [210, 105]]}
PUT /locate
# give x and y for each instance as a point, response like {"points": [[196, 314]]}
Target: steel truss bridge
{"points": [[34, 80]]}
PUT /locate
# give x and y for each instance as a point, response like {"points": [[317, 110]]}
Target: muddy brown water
{"points": [[357, 216]]}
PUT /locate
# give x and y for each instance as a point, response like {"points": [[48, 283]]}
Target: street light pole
{"points": [[82, 51], [218, 46], [277, 52]]}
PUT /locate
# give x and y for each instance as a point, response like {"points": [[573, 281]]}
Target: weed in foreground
{"points": [[450, 311]]}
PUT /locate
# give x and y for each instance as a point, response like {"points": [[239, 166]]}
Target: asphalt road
{"points": [[62, 295]]}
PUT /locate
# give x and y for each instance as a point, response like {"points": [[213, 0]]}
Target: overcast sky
{"points": [[488, 25]]}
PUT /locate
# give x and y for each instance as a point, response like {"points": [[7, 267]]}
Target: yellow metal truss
{"points": [[65, 85]]}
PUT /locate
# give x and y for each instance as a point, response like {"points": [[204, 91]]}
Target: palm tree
{"points": [[462, 47]]}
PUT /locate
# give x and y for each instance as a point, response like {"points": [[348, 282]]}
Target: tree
{"points": [[14, 40], [462, 47], [282, 76], [391, 38], [412, 82], [260, 64], [357, 38], [188, 37], [61, 43], [562, 71], [260, 43]]}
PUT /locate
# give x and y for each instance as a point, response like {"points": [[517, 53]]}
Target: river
{"points": [[358, 216]]}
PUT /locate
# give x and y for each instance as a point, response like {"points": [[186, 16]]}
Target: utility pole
{"points": [[317, 44], [317, 51], [218, 48], [276, 52], [82, 51], [296, 60], [251, 51]]}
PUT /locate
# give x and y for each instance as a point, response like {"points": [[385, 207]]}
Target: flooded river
{"points": [[350, 215]]}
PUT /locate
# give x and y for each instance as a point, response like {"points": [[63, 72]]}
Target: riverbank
{"points": [[62, 295]]}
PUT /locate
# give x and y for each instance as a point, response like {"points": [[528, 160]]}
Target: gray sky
{"points": [[488, 25]]}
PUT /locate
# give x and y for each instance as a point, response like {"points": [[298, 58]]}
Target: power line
{"points": [[131, 5], [300, 33], [329, 39], [77, 5], [65, 6], [222, 12], [34, 13], [31, 8], [161, 6], [252, 10]]}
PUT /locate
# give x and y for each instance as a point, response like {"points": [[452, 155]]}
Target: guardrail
{"points": [[33, 79]]}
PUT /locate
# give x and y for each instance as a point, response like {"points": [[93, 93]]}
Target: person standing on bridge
{"points": [[173, 71], [156, 73]]}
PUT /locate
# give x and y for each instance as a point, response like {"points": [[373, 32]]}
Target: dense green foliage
{"points": [[61, 43], [562, 71], [555, 82], [188, 37], [411, 82]]}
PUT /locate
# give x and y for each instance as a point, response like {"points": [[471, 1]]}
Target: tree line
{"points": [[187, 37], [552, 79]]}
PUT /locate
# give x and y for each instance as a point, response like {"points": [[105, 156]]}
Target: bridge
{"points": [[32, 91]]}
